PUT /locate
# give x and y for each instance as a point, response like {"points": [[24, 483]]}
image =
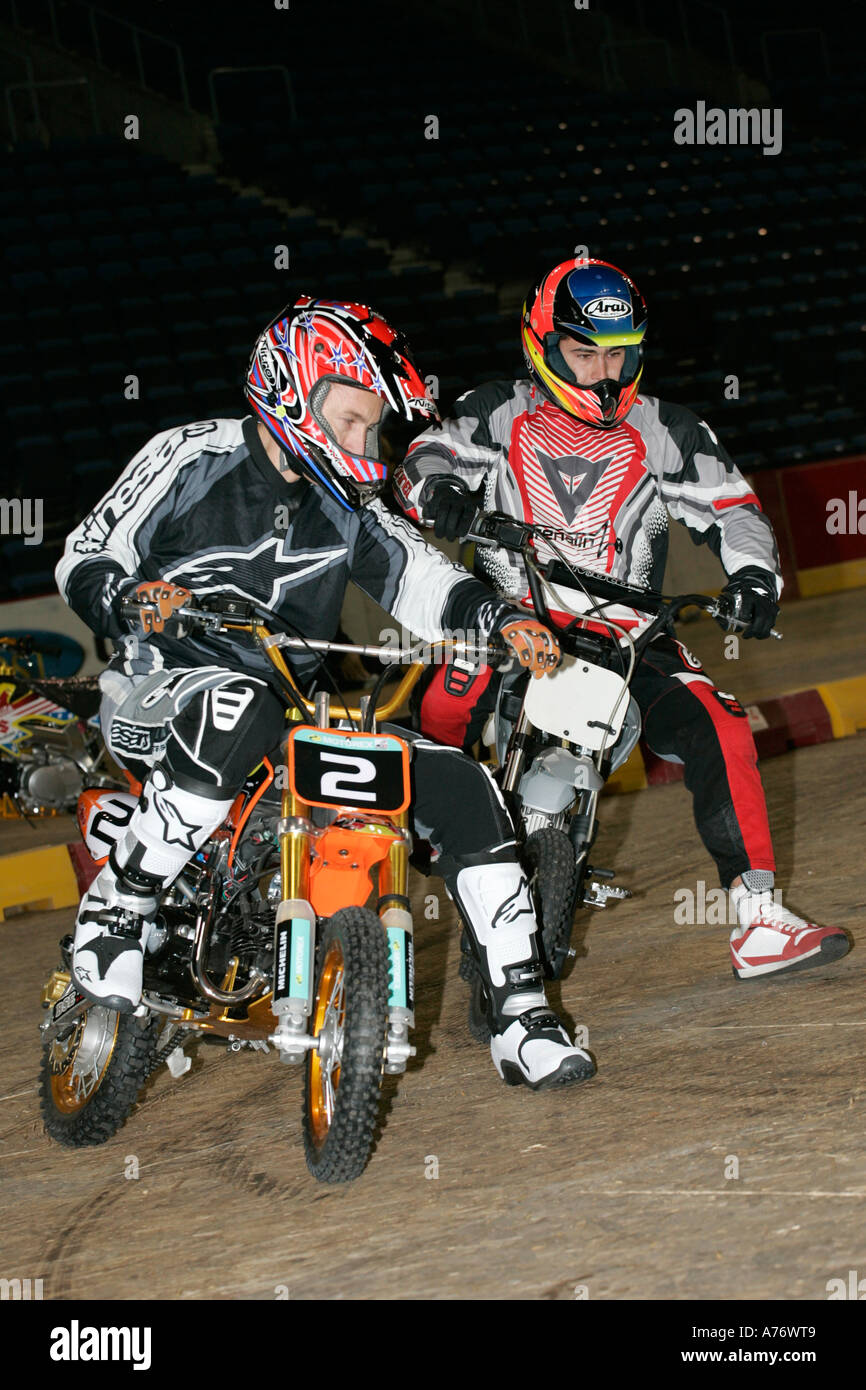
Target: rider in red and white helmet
{"points": [[281, 509], [311, 348]]}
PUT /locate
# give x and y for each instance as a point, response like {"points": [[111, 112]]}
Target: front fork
{"points": [[394, 910], [582, 826], [295, 940], [294, 934]]}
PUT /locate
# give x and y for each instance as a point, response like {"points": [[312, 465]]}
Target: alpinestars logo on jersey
{"points": [[261, 572]]}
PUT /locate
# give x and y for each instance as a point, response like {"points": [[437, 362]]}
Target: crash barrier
{"points": [[818, 512]]}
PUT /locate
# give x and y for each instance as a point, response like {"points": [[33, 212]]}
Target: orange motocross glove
{"points": [[534, 645], [165, 598]]}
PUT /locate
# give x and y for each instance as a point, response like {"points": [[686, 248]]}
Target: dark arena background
{"points": [[175, 173]]}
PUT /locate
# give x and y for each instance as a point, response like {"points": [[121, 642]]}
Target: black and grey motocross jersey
{"points": [[202, 506], [603, 497]]}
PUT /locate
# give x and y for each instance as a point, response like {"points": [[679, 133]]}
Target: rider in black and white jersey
{"points": [[283, 507]]}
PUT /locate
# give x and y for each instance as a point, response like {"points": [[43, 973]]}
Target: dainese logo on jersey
{"points": [[607, 307]]}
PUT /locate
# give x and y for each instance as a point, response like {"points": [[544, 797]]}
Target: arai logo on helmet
{"points": [[607, 307]]}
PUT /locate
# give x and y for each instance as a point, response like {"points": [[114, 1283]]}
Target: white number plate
{"points": [[578, 702]]}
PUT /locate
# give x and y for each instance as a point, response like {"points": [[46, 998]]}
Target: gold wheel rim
{"points": [[329, 1019], [73, 1085]]}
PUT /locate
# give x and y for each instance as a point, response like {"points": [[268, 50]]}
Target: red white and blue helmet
{"points": [[594, 303], [309, 346]]}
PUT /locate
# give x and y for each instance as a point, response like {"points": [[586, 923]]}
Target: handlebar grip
{"points": [[498, 651], [131, 613]]}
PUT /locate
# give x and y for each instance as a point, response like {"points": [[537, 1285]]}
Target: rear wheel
{"points": [[550, 864], [350, 1020], [92, 1074]]}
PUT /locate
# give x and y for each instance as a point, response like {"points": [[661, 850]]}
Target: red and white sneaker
{"points": [[771, 938]]}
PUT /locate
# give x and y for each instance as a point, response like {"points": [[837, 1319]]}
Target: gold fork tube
{"points": [[294, 851], [394, 871]]}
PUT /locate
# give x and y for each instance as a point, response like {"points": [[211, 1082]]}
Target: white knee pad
{"points": [[174, 824]]}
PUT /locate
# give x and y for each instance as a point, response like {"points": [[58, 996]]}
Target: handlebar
{"points": [[509, 533], [252, 618], [231, 619]]}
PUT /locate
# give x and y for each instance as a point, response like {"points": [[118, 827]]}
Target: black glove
{"points": [[448, 504], [752, 598]]}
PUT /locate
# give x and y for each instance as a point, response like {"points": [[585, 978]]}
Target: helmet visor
{"points": [[631, 366]]}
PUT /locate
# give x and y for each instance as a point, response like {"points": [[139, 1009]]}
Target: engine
{"points": [[49, 783]]}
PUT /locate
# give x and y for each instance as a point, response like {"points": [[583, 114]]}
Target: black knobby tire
{"points": [[549, 859], [479, 1026], [468, 971], [337, 1149], [86, 1120]]}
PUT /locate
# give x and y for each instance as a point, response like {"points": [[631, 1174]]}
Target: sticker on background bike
{"points": [[23, 714], [329, 767]]}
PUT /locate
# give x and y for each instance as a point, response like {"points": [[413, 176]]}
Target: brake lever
{"points": [[719, 611]]}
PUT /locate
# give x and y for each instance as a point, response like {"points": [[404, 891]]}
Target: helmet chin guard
{"points": [[311, 346]]}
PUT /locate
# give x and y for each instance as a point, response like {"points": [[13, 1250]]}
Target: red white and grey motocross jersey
{"points": [[203, 506], [603, 496]]}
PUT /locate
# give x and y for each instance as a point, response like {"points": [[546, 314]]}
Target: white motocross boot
{"points": [[116, 914], [528, 1044]]}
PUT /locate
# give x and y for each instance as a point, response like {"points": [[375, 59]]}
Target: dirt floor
{"points": [[719, 1152]]}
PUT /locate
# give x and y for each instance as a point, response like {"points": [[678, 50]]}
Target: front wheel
{"points": [[91, 1076], [350, 1021], [550, 863]]}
